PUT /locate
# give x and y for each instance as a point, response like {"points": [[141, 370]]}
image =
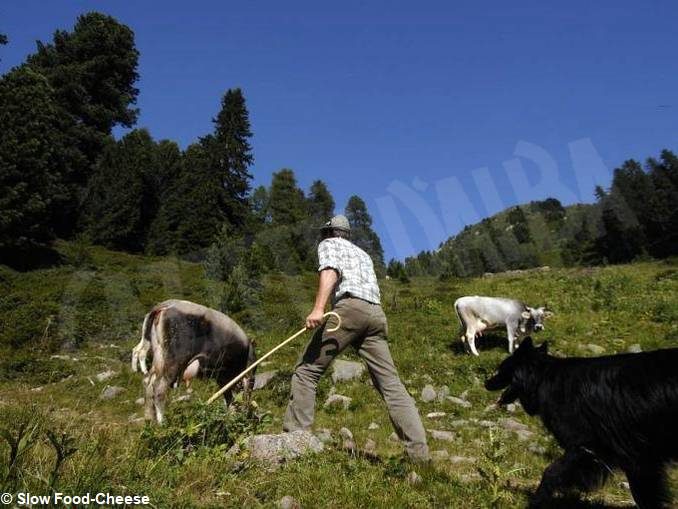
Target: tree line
{"points": [[636, 218], [63, 174]]}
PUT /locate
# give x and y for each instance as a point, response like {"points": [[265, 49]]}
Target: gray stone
{"points": [[337, 400], [490, 408], [459, 423], [447, 436], [459, 401], [511, 408], [288, 502], [435, 415], [393, 437], [487, 424], [275, 449], [324, 435], [349, 445], [183, 397], [105, 375], [635, 348], [373, 425], [139, 401], [345, 371], [428, 393], [442, 393], [461, 459], [110, 392], [346, 434], [440, 455], [595, 349], [261, 379], [512, 425], [413, 478], [536, 448], [370, 446]]}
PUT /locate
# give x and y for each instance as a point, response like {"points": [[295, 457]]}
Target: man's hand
{"points": [[314, 319]]}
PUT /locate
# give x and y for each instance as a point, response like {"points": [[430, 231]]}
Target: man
{"points": [[347, 275]]}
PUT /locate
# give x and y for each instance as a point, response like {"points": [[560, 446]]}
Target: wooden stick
{"points": [[258, 361]]}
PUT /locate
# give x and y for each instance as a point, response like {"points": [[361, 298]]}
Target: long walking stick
{"points": [[256, 363]]}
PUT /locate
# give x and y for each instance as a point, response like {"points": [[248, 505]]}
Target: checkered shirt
{"points": [[355, 268]]}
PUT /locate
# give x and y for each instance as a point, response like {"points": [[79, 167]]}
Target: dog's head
{"points": [[514, 374]]}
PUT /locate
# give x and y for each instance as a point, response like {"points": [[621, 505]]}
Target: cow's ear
{"points": [[526, 315], [548, 313]]}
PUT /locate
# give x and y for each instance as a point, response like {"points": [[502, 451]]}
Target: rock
{"points": [[288, 502], [413, 478], [447, 436], [110, 392], [139, 401], [544, 268], [373, 425], [512, 424], [183, 397], [595, 349], [435, 415], [370, 446], [136, 420], [346, 434], [349, 445], [524, 435], [459, 423], [511, 408], [105, 375], [536, 448], [345, 371], [337, 400], [324, 435], [459, 401], [634, 348], [442, 393], [440, 455], [275, 449], [461, 459], [428, 393], [490, 408], [261, 379], [487, 424], [393, 437]]}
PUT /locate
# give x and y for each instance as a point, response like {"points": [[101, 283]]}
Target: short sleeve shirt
{"points": [[354, 266]]}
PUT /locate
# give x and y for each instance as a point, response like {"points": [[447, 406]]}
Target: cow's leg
{"points": [[162, 384], [471, 339], [577, 468], [511, 335], [139, 355], [648, 486], [149, 405]]}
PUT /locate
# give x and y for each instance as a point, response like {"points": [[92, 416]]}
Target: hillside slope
{"points": [[63, 326]]}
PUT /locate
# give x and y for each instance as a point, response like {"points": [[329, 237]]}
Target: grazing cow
{"points": [[618, 411], [478, 314], [189, 340]]}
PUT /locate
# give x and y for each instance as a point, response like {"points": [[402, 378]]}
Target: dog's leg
{"points": [[648, 486], [577, 468]]}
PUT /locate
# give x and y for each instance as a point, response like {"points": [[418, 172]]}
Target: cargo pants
{"points": [[363, 326]]}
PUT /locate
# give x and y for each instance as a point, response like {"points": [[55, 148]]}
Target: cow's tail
{"points": [[157, 339], [140, 352]]}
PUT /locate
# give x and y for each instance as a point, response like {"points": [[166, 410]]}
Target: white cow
{"points": [[478, 314]]}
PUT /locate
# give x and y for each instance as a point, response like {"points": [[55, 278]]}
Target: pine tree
{"points": [[120, 202], [362, 234], [286, 202], [320, 202], [520, 226], [32, 162], [92, 71], [232, 156]]}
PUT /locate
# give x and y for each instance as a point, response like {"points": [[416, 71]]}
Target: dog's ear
{"points": [[526, 344], [543, 348], [508, 396]]}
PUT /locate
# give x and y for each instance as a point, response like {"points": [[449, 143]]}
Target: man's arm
{"points": [[328, 280]]}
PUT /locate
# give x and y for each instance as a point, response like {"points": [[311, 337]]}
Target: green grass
{"points": [[90, 309]]}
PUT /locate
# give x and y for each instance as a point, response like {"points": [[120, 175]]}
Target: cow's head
{"points": [[515, 375], [532, 319]]}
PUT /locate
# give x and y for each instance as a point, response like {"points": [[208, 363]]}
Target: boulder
{"points": [[273, 450], [337, 400], [440, 455], [346, 434], [413, 478], [105, 375], [345, 371], [110, 392], [324, 435], [288, 502], [458, 401], [635, 348], [370, 446], [435, 415], [428, 393], [261, 379], [447, 436]]}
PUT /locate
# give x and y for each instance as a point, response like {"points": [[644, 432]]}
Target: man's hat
{"points": [[337, 223]]}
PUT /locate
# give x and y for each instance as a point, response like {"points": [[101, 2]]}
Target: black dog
{"points": [[619, 411]]}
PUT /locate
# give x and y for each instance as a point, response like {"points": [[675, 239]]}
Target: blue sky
{"points": [[374, 96]]}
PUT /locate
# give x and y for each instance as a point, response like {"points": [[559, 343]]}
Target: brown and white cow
{"points": [[189, 340]]}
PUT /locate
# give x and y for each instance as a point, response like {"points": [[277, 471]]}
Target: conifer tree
{"points": [[286, 203], [320, 202], [362, 233]]}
